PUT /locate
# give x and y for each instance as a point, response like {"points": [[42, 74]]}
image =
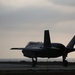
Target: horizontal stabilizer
{"points": [[17, 48]]}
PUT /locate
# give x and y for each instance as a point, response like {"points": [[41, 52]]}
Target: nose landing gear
{"points": [[34, 62]]}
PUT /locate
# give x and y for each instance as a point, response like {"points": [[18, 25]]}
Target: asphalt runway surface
{"points": [[4, 66]]}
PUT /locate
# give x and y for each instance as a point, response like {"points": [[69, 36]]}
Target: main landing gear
{"points": [[65, 62], [34, 62]]}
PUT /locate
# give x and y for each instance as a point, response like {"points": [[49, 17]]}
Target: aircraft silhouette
{"points": [[47, 49]]}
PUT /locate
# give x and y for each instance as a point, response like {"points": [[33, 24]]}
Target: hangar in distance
{"points": [[47, 49]]}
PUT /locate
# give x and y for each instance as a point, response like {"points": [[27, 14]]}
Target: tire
{"points": [[33, 64], [65, 63]]}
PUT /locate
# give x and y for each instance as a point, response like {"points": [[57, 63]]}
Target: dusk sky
{"points": [[22, 21]]}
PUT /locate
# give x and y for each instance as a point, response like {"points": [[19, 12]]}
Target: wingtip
{"points": [[10, 48]]}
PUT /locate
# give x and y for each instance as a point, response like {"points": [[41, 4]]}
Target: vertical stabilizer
{"points": [[47, 42], [71, 43]]}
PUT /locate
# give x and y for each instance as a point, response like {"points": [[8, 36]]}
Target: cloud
{"points": [[33, 17], [64, 2], [67, 6], [24, 3], [7, 6]]}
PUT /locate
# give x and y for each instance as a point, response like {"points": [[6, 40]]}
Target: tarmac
{"points": [[43, 69]]}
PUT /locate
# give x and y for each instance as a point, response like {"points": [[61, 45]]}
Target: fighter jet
{"points": [[47, 49]]}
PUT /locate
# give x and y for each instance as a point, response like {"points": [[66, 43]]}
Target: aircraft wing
{"points": [[17, 48]]}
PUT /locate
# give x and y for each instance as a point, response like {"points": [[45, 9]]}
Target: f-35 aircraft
{"points": [[47, 49]]}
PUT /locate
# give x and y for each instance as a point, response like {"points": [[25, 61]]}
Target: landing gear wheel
{"points": [[65, 63], [33, 63]]}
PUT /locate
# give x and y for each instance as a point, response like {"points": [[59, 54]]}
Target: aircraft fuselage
{"points": [[56, 50]]}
